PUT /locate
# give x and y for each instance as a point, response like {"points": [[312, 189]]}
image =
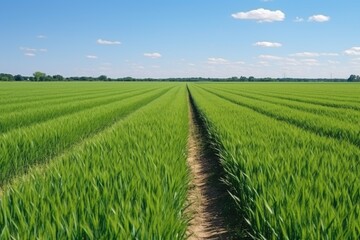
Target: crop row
{"points": [[27, 92], [347, 115], [49, 111], [126, 182], [108, 161], [321, 125], [38, 143], [319, 91], [29, 101], [289, 183], [329, 101]]}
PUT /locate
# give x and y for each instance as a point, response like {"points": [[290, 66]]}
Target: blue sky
{"points": [[184, 38]]}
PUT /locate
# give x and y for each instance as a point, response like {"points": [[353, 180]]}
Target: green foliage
{"points": [[354, 78], [39, 76], [39, 143], [317, 123], [45, 111], [128, 180], [108, 160], [290, 180], [6, 77]]}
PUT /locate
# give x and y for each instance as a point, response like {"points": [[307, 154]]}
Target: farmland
{"points": [[292, 166], [99, 160]]}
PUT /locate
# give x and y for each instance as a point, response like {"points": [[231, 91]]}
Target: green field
{"points": [[107, 160]]}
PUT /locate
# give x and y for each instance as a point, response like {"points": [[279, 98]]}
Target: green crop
{"points": [[351, 116], [319, 124], [38, 143], [48, 111], [91, 160], [128, 181], [288, 181]]}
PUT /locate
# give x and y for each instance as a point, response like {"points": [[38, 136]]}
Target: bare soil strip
{"points": [[207, 193]]}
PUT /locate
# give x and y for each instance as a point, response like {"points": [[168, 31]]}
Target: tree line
{"points": [[354, 78], [42, 77]]}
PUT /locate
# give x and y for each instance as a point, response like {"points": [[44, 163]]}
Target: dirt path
{"points": [[206, 193]]}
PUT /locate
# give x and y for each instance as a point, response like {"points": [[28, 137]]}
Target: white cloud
{"points": [[107, 42], [91, 57], [310, 62], [264, 63], [270, 57], [333, 62], [136, 66], [41, 36], [319, 18], [153, 55], [26, 49], [268, 44], [305, 54], [313, 54], [291, 62], [33, 50], [260, 15], [299, 19], [281, 61], [329, 54], [104, 68], [355, 61], [214, 60], [30, 54], [354, 51]]}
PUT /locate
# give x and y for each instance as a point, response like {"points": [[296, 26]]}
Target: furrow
{"points": [[319, 125], [346, 115], [25, 147], [29, 117]]}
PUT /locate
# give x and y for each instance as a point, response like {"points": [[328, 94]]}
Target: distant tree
{"points": [[128, 79], [3, 78], [58, 78], [6, 77], [251, 79], [354, 78], [243, 79], [267, 79], [48, 78], [18, 77], [39, 76], [102, 78]]}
